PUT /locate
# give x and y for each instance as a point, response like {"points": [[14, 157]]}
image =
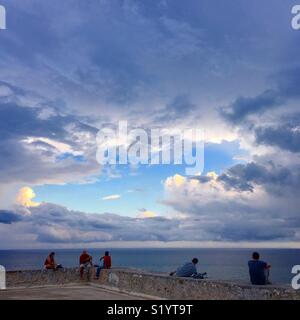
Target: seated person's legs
{"points": [[98, 272], [86, 266], [81, 270], [49, 267]]}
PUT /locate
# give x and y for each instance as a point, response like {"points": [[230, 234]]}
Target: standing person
{"points": [[106, 263], [258, 270], [85, 261], [50, 263]]}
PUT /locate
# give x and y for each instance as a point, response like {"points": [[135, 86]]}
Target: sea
{"points": [[220, 264]]}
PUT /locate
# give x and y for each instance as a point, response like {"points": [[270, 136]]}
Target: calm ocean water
{"points": [[225, 264]]}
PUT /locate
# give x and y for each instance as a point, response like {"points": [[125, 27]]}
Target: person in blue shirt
{"points": [[258, 270], [188, 270]]}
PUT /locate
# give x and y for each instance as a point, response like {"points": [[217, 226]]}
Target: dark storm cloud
{"points": [[56, 224], [8, 217], [202, 179], [245, 106], [219, 220], [20, 122], [284, 137], [285, 134], [29, 162], [286, 87], [260, 231], [50, 213], [244, 177]]}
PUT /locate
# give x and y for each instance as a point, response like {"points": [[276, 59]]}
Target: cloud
{"points": [[255, 201], [37, 150], [177, 180], [210, 176], [50, 223], [112, 197], [274, 179], [146, 214], [60, 147], [285, 137], [25, 197], [272, 105], [242, 107], [179, 107], [8, 217]]}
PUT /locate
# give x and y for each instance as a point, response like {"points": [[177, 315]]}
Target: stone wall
{"points": [[30, 278], [190, 289], [155, 285]]}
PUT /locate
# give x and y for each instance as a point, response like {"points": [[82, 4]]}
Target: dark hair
{"points": [[255, 255], [52, 253], [195, 261], [106, 253]]}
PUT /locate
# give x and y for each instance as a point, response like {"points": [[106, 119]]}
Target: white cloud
{"points": [[25, 198], [112, 197], [61, 147], [226, 209]]}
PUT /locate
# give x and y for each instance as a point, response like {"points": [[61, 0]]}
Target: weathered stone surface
{"points": [[30, 278], [155, 285], [192, 289]]}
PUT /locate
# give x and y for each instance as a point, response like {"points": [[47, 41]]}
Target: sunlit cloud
{"points": [[25, 197], [177, 180], [146, 214], [212, 175], [112, 197]]}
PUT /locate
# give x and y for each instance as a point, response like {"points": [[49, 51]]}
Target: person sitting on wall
{"points": [[50, 263], [259, 271], [189, 270], [106, 263], [85, 262]]}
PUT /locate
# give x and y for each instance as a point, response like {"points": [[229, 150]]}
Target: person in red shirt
{"points": [[106, 263], [50, 263], [85, 261]]}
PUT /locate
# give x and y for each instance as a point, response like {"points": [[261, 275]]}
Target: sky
{"points": [[70, 68]]}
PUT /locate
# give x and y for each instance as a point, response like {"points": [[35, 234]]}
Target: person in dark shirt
{"points": [[188, 270], [258, 270]]}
